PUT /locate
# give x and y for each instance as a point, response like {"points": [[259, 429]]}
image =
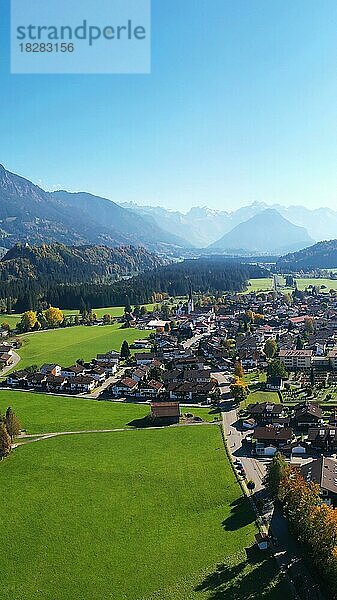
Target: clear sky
{"points": [[241, 106]]}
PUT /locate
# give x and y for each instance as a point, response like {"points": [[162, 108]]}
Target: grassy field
{"points": [[260, 396], [65, 346], [142, 515], [259, 285], [266, 284], [44, 413], [114, 311]]}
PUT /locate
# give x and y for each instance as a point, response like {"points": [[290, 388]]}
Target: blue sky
{"points": [[241, 106]]}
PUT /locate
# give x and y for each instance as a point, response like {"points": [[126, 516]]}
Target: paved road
{"points": [[16, 360], [255, 468], [98, 391], [194, 340]]}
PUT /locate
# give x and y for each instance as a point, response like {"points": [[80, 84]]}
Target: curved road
{"points": [[16, 360]]}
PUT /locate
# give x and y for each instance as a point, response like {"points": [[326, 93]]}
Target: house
{"points": [[72, 371], [323, 471], [296, 360], [265, 413], [141, 344], [50, 369], [99, 374], [150, 389], [124, 387], [322, 438], [188, 391], [307, 414], [275, 383], [5, 360], [17, 379], [144, 358], [262, 540], [165, 411], [55, 383], [110, 368], [332, 356], [157, 324], [140, 373], [108, 357], [82, 383], [269, 439], [36, 380]]}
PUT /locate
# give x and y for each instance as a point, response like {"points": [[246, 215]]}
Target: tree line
{"points": [[312, 521], [205, 276]]}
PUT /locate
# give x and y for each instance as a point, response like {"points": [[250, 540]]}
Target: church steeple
{"points": [[190, 304]]}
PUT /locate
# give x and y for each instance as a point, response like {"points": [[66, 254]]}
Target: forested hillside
{"points": [[206, 275], [57, 263], [320, 256]]}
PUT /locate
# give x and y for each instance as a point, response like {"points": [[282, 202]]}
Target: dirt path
{"points": [[37, 437]]}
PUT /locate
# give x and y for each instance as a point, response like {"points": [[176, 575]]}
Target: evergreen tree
{"points": [[276, 471], [12, 422], [125, 351], [5, 440]]}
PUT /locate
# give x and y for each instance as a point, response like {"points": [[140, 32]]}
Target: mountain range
{"points": [[202, 226], [30, 214]]}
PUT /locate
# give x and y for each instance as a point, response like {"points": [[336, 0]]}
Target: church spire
{"points": [[190, 304]]}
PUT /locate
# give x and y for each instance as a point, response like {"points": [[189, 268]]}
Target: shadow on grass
{"points": [[252, 578], [148, 421], [241, 515], [144, 422]]}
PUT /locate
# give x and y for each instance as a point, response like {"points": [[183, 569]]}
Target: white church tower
{"points": [[190, 304]]}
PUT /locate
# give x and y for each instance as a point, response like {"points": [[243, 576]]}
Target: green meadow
{"points": [[65, 346], [132, 515], [114, 311], [45, 413], [266, 284]]}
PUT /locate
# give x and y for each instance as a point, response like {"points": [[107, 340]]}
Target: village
{"points": [[266, 361]]}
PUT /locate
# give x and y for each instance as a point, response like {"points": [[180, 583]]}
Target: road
{"points": [[194, 340], [16, 360], [255, 468]]}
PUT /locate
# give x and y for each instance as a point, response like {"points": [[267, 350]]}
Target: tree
{"points": [[54, 316], [5, 440], [127, 308], [239, 390], [28, 320], [13, 424], [276, 471], [156, 373], [299, 343], [277, 369], [238, 370], [251, 485], [309, 326], [125, 351], [32, 369], [270, 348], [107, 319]]}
